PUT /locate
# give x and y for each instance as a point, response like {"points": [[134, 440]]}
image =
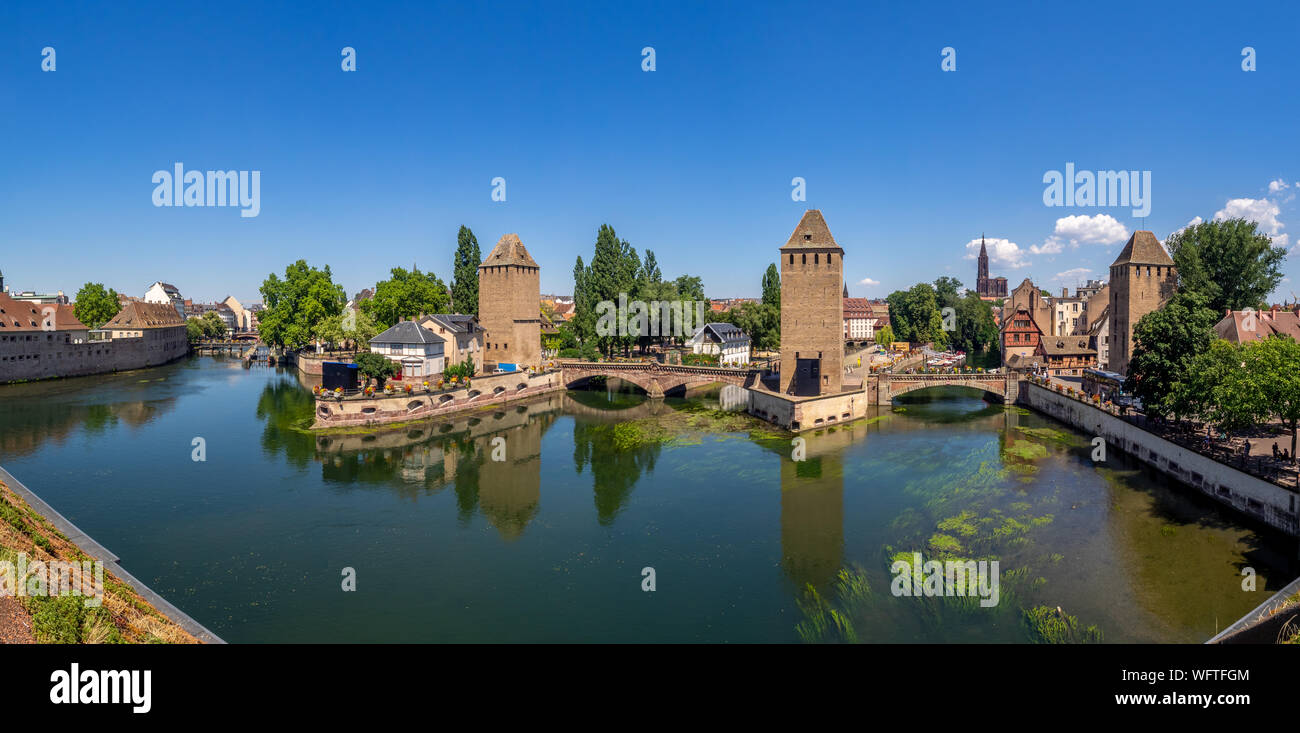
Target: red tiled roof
{"points": [[20, 315]]}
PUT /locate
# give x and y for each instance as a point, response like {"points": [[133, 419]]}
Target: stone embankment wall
{"points": [[1270, 503], [49, 355], [808, 413], [492, 389]]}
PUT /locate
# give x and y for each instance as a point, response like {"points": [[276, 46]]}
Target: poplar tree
{"points": [[464, 287]]}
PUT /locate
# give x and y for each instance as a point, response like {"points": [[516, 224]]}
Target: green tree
{"points": [[1230, 262], [347, 329], [884, 336], [212, 325], [915, 315], [1165, 342], [95, 305], [977, 330], [298, 304], [375, 366], [1221, 388], [772, 286], [1274, 364], [406, 294], [946, 291], [193, 329], [464, 287], [650, 274]]}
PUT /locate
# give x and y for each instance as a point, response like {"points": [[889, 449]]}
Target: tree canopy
{"points": [[1165, 342], [406, 294], [1232, 264], [95, 305], [772, 286], [298, 304]]}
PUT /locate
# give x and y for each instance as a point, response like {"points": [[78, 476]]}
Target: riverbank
{"points": [[109, 607]]}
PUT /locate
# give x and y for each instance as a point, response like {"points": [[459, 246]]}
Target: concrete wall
{"points": [[1269, 503], [809, 413], [47, 355], [494, 389]]}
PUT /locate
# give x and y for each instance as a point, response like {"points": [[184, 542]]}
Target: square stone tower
{"points": [[812, 310], [1142, 279], [509, 304]]}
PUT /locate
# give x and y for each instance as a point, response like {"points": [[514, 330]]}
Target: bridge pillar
{"points": [[654, 390]]}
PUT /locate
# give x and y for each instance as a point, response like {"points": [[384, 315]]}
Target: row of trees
{"points": [[209, 326], [307, 306], [918, 315], [616, 269]]}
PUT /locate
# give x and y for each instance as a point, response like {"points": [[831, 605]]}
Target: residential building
{"points": [[1065, 355], [1242, 327], [1020, 338], [419, 351], [161, 292], [509, 294], [812, 309], [243, 319], [1099, 338], [1071, 314], [726, 340], [1142, 279], [462, 336], [859, 321]]}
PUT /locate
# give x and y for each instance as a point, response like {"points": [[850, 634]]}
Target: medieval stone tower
{"points": [[509, 304], [812, 310], [1142, 279]]}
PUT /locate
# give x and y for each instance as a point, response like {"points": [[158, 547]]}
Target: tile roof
{"points": [[857, 308], [509, 251], [1234, 325], [1066, 346], [1143, 249], [454, 322], [408, 332], [725, 333], [811, 232], [21, 315], [138, 314]]}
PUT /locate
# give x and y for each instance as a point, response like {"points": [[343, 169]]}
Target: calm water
{"points": [[549, 544]]}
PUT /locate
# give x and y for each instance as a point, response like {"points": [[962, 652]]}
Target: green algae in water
{"points": [[1046, 625], [1026, 450]]}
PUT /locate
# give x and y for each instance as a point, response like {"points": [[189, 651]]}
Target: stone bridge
{"points": [[888, 386], [656, 378]]}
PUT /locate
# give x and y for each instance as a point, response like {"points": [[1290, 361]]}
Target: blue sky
{"points": [[376, 168]]}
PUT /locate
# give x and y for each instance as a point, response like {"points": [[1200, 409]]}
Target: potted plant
{"points": [[409, 389], [338, 393]]}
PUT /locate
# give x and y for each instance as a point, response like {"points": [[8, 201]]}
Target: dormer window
{"points": [[807, 237]]}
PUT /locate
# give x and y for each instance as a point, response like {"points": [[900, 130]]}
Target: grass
{"points": [[123, 617]]}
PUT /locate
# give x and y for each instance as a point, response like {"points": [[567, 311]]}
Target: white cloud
{"points": [[1278, 185], [1002, 252], [1076, 274], [868, 281], [1050, 246], [1195, 220], [1099, 229], [1261, 211]]}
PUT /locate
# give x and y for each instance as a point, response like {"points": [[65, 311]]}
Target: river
{"points": [[449, 544]]}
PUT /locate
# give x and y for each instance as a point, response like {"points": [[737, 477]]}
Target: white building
{"points": [[727, 341], [419, 351], [161, 292]]}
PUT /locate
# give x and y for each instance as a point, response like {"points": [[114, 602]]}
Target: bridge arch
{"points": [[891, 386]]}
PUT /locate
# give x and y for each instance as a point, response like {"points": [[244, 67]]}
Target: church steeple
{"points": [[846, 290], [982, 270]]}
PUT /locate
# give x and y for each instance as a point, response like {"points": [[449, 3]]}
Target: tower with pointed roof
{"points": [[812, 310], [1142, 279], [509, 304], [982, 270]]}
